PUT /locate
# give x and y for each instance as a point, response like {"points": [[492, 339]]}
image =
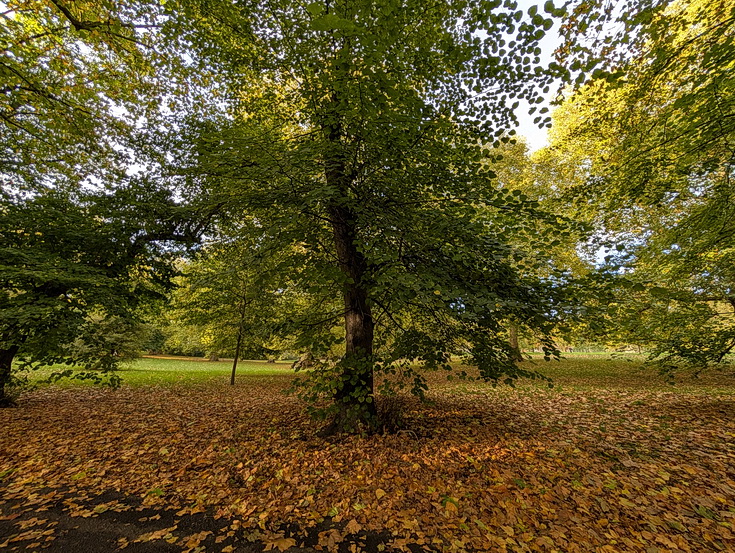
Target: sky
{"points": [[535, 137]]}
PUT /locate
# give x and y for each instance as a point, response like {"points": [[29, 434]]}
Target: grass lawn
{"points": [[166, 370], [611, 459], [162, 370]]}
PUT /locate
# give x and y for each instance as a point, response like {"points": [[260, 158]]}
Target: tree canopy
{"points": [[653, 127], [357, 133], [351, 169]]}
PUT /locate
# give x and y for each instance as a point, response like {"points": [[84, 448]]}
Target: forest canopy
{"points": [[341, 182]]}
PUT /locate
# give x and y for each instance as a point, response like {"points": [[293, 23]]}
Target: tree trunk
{"points": [[239, 340], [513, 339], [237, 356], [6, 365], [354, 398]]}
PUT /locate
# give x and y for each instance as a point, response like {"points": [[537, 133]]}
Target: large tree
{"points": [[69, 262], [357, 135], [653, 129], [81, 87]]}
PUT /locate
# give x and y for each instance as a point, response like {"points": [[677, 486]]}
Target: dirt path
{"points": [[56, 522], [53, 522]]}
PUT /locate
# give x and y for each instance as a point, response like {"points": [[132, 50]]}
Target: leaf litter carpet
{"points": [[210, 467]]}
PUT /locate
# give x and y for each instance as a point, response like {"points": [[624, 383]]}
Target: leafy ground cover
{"points": [[611, 459]]}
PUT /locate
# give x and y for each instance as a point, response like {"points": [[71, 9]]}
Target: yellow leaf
{"points": [[281, 544], [353, 527], [380, 494]]}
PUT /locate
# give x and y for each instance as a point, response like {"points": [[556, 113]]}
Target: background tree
{"points": [[653, 129], [551, 251], [227, 295]]}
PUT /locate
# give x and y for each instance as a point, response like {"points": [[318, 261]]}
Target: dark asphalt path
{"points": [[55, 522]]}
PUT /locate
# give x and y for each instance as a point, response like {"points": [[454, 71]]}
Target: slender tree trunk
{"points": [[237, 356], [6, 364], [239, 341], [513, 340], [731, 346]]}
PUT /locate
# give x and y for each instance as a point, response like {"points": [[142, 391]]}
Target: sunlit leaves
{"points": [[652, 131], [74, 79]]}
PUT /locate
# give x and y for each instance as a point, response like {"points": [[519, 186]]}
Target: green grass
{"points": [[593, 369], [576, 371], [163, 371], [626, 371], [581, 372], [150, 370]]}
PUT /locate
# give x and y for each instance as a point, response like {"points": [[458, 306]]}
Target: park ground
{"points": [[611, 459]]}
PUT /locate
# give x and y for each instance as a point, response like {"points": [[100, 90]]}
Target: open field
{"points": [[610, 459], [166, 370]]}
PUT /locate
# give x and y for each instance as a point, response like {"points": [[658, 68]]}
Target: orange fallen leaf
{"points": [[281, 544]]}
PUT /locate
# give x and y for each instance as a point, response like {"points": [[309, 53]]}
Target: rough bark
{"points": [[354, 399]]}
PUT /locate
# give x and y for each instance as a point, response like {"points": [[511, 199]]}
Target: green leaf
{"points": [[331, 22], [315, 8], [676, 525]]}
